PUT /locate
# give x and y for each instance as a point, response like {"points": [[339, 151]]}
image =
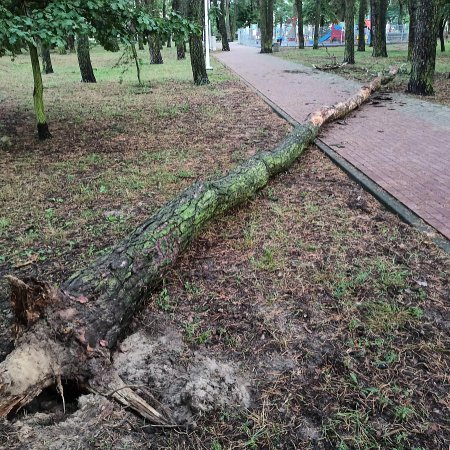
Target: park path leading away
{"points": [[401, 143]]}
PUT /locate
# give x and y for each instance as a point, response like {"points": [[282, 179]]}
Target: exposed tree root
{"points": [[68, 333]]}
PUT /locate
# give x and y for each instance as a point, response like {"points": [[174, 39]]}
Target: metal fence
{"points": [[287, 37]]}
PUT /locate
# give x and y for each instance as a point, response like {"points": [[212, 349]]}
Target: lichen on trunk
{"points": [[69, 332], [38, 95]]}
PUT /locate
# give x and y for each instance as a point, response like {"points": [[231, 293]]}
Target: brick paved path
{"points": [[402, 144]]}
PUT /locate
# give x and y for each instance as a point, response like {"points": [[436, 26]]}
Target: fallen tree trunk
{"points": [[68, 333]]}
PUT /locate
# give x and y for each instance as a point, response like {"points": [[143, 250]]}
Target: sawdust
{"points": [[189, 383]]}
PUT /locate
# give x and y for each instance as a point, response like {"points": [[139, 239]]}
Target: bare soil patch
{"points": [[308, 318]]}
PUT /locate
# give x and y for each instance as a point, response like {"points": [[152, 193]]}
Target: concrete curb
{"points": [[386, 199]]}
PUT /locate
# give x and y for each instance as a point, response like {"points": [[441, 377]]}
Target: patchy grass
{"points": [[118, 152], [334, 311], [367, 67]]}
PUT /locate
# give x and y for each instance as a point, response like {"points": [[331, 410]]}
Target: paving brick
{"points": [[404, 146]]}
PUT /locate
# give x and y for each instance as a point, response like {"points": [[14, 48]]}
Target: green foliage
{"points": [[107, 20]]}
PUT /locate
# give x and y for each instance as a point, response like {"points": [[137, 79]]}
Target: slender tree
{"points": [[38, 95], [424, 51], [379, 28], [227, 19], [443, 16], [221, 25], [301, 36], [349, 52], [195, 13], [266, 11], [317, 24], [70, 43], [362, 25], [412, 6], [177, 6], [372, 7], [84, 59], [47, 67], [154, 42]]}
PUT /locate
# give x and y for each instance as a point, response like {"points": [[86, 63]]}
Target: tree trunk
{"points": [[266, 9], [412, 27], [221, 25], [71, 43], [47, 67], [84, 59], [38, 96], [301, 36], [424, 51], [362, 25], [154, 47], [227, 20], [442, 22], [154, 41], [372, 7], [316, 25], [177, 7], [68, 333], [349, 53], [379, 28], [235, 10], [140, 41], [195, 14]]}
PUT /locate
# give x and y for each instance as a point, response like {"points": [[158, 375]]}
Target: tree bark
{"points": [[38, 95], [266, 11], [195, 13], [424, 51], [84, 59], [349, 52], [412, 5], [441, 28], [177, 7], [379, 28], [372, 6], [362, 25], [301, 36], [71, 43], [67, 333], [316, 25], [47, 67], [154, 41], [227, 20], [154, 47], [221, 25]]}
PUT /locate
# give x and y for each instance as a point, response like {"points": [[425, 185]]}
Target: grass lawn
{"points": [[308, 318], [367, 67]]}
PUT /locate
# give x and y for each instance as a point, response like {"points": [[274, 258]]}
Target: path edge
{"points": [[374, 189]]}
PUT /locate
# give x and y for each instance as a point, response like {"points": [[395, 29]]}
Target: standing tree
{"points": [[379, 28], [362, 25], [424, 51], [84, 59], [443, 16], [47, 67], [50, 21], [316, 25], [195, 14], [266, 11], [154, 42], [301, 36], [178, 8], [221, 24], [412, 6], [349, 53]]}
